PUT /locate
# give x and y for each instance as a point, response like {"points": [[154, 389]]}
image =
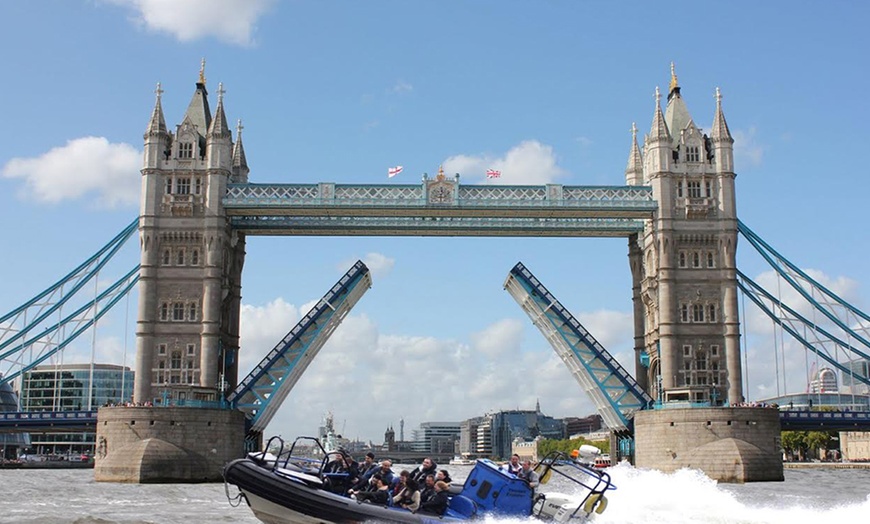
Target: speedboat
{"points": [[287, 489]]}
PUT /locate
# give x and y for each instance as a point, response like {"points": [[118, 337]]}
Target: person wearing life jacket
{"points": [[437, 504], [428, 467], [513, 467], [528, 474]]}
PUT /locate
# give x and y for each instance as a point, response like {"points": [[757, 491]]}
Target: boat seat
{"points": [[461, 507], [455, 488]]}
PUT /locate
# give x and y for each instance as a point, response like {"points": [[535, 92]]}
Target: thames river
{"points": [[816, 495]]}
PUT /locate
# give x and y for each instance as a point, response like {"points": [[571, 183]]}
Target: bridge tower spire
{"points": [[187, 334], [683, 265]]}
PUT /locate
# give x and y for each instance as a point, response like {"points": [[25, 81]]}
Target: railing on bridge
{"points": [[421, 210], [793, 420], [47, 421]]}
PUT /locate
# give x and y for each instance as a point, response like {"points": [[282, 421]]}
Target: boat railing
{"points": [[288, 458], [595, 481]]}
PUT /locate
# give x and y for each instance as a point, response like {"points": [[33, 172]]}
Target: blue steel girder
{"points": [[56, 337], [420, 210], [261, 393], [613, 390], [852, 321], [26, 318], [759, 296]]}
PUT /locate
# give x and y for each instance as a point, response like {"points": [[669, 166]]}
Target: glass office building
{"points": [[72, 387], [10, 443]]}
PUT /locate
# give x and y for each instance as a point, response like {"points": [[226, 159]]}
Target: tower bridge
{"points": [[677, 210]]}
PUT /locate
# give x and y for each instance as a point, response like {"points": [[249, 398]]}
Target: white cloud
{"points": [[401, 87], [232, 21], [84, 165], [529, 162], [747, 148], [379, 265]]}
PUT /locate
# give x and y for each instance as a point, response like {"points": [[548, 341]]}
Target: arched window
{"points": [[684, 312], [179, 257], [711, 259], [711, 313], [167, 257], [185, 150], [697, 313], [191, 311], [178, 311], [682, 259], [164, 311], [194, 257], [696, 259]]}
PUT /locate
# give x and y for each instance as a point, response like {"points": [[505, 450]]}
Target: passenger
{"points": [[378, 493], [338, 474], [399, 482], [443, 476], [436, 505], [513, 467], [366, 469], [428, 490], [409, 497], [386, 472], [426, 468], [529, 475]]}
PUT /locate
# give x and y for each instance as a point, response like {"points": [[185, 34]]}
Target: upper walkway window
{"points": [[185, 150], [693, 154]]}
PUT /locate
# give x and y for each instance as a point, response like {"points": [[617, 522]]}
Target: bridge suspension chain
{"points": [[29, 336]]}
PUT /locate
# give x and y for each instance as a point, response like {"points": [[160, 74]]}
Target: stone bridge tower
{"points": [[187, 334], [687, 332]]}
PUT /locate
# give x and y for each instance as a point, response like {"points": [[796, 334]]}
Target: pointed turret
{"points": [[219, 153], [198, 111], [240, 162], [657, 146], [219, 127], [634, 169], [723, 143], [720, 129], [157, 125], [659, 129], [156, 136], [677, 114]]}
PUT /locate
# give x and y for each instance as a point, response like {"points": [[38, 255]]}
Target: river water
{"points": [[642, 496]]}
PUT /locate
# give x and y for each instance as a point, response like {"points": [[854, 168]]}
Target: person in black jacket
{"points": [[428, 467], [437, 504], [379, 494]]}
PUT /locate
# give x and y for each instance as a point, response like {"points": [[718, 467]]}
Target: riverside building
{"points": [[72, 387]]}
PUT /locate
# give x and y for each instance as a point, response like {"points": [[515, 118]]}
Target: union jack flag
{"points": [[492, 173]]}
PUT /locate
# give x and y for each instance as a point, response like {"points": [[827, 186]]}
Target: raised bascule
{"points": [[191, 413]]}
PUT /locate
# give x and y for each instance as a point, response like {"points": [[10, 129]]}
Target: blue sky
{"points": [[340, 91]]}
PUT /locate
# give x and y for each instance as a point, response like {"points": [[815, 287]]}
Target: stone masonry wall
{"points": [[166, 444], [728, 444]]}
